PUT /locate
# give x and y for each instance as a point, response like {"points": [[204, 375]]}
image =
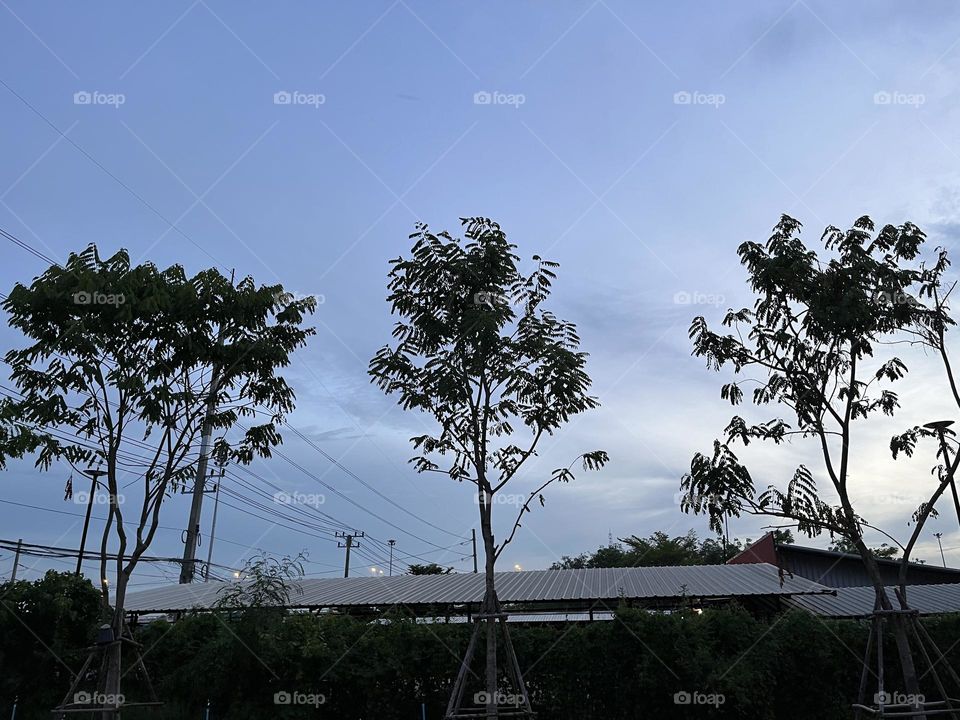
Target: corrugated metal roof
{"points": [[857, 602], [530, 586]]}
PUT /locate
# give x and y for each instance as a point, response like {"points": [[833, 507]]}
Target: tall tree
{"points": [[811, 345], [476, 350], [121, 363]]}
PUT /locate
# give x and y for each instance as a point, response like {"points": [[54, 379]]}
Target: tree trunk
{"points": [[491, 605], [898, 624], [112, 659]]}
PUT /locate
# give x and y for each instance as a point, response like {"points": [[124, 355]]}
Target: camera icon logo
{"points": [[282, 97], [682, 698], [482, 98], [282, 698]]}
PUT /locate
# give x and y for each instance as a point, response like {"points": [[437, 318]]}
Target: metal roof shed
{"points": [[565, 590]]}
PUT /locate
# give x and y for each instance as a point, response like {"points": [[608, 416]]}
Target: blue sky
{"points": [[638, 144]]}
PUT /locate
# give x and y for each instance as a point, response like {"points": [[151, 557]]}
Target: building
{"points": [[582, 593], [836, 569]]}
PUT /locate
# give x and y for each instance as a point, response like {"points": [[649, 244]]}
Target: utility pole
{"points": [[213, 526], [938, 536], [473, 536], [193, 525], [348, 543], [16, 561], [391, 543], [93, 474]]}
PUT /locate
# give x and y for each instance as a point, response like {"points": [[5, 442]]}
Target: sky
{"points": [[637, 144]]}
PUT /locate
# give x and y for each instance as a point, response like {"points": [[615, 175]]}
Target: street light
{"points": [[940, 427]]}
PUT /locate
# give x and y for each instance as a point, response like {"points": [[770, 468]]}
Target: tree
{"points": [[476, 350], [429, 569], [121, 364], [809, 346], [845, 546], [265, 582], [657, 550]]}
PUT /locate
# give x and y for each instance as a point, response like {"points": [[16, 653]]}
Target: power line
{"points": [[120, 182], [363, 482]]}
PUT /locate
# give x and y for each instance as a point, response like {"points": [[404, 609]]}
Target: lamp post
{"points": [[938, 536], [941, 428]]}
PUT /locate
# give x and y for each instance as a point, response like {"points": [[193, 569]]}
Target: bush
{"points": [[793, 665]]}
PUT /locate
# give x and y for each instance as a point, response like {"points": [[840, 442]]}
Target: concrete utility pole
{"points": [[473, 535], [93, 474], [193, 525], [348, 543], [391, 543], [213, 527], [16, 561]]}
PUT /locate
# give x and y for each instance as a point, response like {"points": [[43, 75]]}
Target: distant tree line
{"points": [[661, 550]]}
